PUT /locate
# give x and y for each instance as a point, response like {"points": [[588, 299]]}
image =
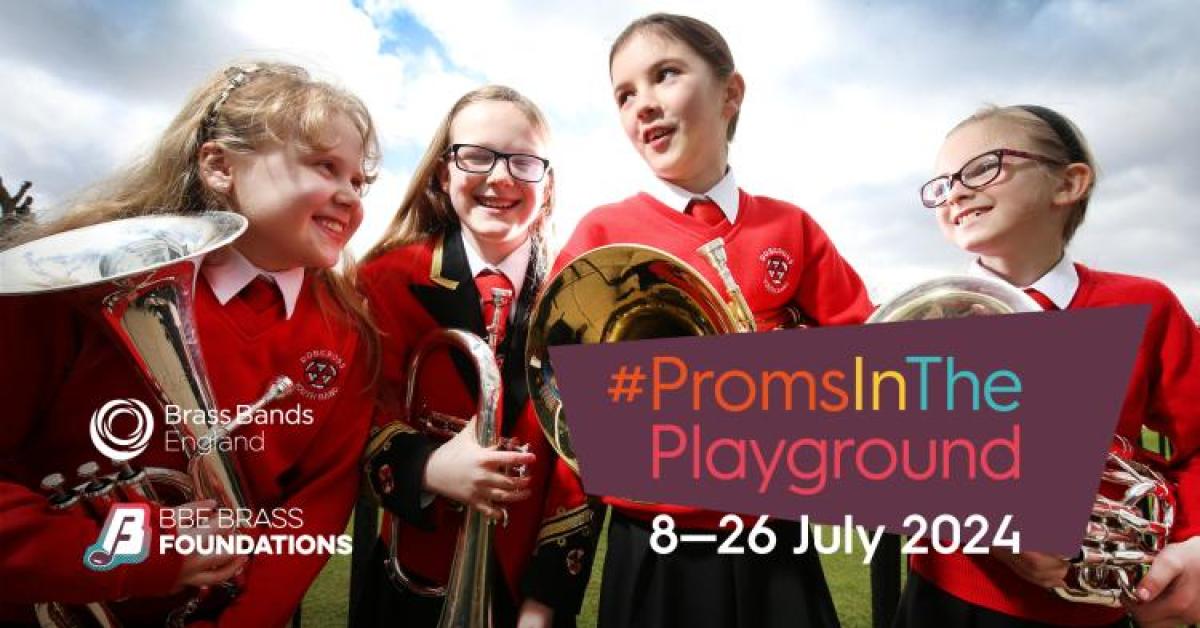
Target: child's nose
{"points": [[501, 172], [957, 191], [347, 196], [646, 106]]}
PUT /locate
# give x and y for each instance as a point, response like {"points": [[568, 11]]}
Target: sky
{"points": [[846, 105]]}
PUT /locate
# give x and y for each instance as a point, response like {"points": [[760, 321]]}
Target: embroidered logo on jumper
{"points": [[777, 262], [322, 369]]}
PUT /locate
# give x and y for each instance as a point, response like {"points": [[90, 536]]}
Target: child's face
{"points": [[496, 208], [674, 109], [302, 205], [1012, 213]]}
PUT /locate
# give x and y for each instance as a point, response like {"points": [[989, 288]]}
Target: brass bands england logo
{"points": [[111, 443]]}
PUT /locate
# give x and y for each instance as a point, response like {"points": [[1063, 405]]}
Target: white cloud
{"points": [[859, 95]]}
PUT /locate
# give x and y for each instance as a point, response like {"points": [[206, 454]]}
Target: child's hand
{"points": [[463, 471], [202, 570], [534, 614], [1170, 591], [1044, 570]]}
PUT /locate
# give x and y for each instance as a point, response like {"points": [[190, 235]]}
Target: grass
{"points": [[848, 579]]}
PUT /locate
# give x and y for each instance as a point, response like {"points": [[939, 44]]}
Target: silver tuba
{"points": [[468, 592], [1131, 517], [137, 275]]}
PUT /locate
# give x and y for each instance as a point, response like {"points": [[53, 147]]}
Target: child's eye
{"points": [[327, 166], [623, 97], [666, 73]]}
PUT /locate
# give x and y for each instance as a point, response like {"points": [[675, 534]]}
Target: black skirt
{"points": [[926, 604], [695, 587], [381, 604]]}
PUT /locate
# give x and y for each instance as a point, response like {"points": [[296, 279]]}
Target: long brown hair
{"points": [[241, 108], [426, 210]]}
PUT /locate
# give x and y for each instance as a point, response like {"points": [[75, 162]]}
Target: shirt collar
{"points": [[513, 266], [230, 272], [724, 194], [1059, 284]]}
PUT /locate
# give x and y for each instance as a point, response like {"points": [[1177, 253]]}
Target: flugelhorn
{"points": [[625, 292], [468, 591], [137, 276]]}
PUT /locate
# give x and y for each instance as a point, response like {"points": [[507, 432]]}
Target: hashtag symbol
{"points": [[626, 383]]}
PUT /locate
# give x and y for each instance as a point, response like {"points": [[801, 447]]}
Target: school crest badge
{"points": [[322, 370], [777, 265]]}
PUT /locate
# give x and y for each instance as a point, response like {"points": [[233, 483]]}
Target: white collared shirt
{"points": [[513, 266], [229, 273], [724, 194], [1059, 284]]}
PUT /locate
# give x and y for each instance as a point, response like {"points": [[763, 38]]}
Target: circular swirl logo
{"points": [[122, 448]]}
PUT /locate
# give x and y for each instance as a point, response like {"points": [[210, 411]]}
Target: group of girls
{"points": [[467, 249]]}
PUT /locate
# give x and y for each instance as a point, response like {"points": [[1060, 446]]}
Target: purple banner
{"points": [[1000, 415]]}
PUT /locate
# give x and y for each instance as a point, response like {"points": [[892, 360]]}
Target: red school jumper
{"points": [[778, 255], [1163, 394], [59, 366]]}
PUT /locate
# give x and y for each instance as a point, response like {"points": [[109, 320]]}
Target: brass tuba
{"points": [[468, 592], [1123, 533], [137, 275], [624, 292]]}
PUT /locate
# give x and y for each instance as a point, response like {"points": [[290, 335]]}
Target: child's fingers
{"points": [[509, 458], [503, 496], [498, 481], [1165, 568]]}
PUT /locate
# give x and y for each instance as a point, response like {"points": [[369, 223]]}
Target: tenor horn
{"points": [[624, 292], [1131, 516], [137, 276], [468, 591]]}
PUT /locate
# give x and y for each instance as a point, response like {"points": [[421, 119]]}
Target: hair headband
{"points": [[1062, 128], [236, 77]]}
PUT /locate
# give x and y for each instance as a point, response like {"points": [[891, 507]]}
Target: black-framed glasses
{"points": [[481, 160], [975, 174]]}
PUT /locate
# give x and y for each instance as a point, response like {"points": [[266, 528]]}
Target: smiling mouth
{"points": [[497, 203], [331, 225], [653, 135], [969, 216]]}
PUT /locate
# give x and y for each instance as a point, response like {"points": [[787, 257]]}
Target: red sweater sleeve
{"points": [[830, 291], [41, 551], [1174, 407]]}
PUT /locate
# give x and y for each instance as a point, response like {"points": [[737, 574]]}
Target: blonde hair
{"points": [[241, 108], [1052, 135], [426, 209]]}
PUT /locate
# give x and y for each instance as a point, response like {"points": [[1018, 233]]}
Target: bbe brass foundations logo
{"points": [[124, 539], [127, 537]]}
